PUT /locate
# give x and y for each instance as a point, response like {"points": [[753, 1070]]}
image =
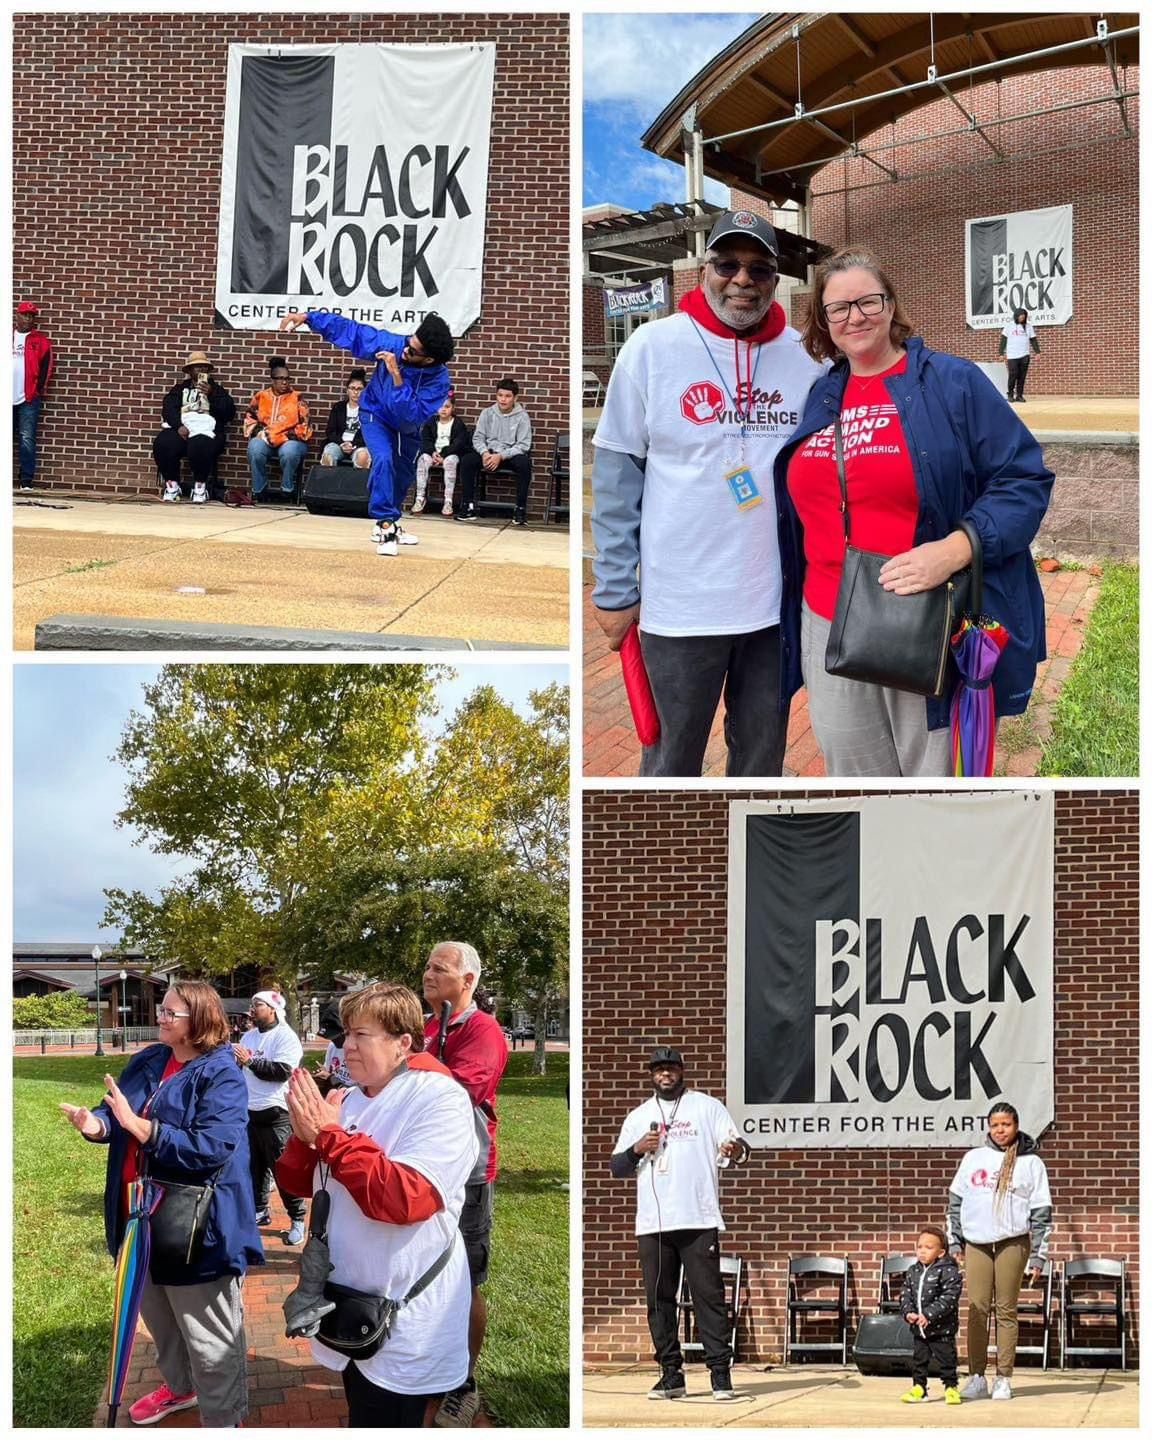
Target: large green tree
{"points": [[336, 825]]}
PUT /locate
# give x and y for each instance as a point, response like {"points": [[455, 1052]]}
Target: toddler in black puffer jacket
{"points": [[930, 1302]]}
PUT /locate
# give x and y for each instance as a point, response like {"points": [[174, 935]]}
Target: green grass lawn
{"points": [[1096, 722], [62, 1279]]}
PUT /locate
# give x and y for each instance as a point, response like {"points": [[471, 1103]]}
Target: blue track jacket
{"points": [[974, 459], [404, 407], [202, 1115]]}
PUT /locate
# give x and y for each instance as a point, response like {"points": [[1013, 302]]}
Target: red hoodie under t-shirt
{"points": [[883, 502]]}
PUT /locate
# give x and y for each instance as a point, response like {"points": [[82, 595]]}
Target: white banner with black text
{"points": [[355, 179], [1021, 261], [889, 967]]}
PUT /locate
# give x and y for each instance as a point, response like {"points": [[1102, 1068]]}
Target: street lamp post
{"points": [[97, 954], [123, 1008]]}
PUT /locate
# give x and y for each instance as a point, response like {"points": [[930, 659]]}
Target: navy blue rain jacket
{"points": [[404, 407], [974, 459], [202, 1115]]}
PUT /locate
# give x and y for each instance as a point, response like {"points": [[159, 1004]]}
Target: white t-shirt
{"points": [[1017, 339], [423, 1120], [336, 1066], [351, 424], [975, 1183], [19, 339], [443, 435], [678, 1187], [280, 1044], [707, 566]]}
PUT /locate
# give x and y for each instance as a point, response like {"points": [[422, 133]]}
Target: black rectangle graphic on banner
{"points": [[988, 239], [285, 101], [799, 869]]}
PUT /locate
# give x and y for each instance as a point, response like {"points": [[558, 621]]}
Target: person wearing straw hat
{"points": [[197, 412], [268, 1053]]}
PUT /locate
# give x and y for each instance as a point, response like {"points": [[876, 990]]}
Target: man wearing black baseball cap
{"points": [[675, 1144], [698, 405]]}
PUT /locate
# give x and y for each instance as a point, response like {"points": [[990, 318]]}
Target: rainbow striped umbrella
{"points": [[131, 1269], [976, 648]]}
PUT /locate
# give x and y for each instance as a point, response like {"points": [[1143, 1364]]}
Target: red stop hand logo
{"points": [[702, 402]]}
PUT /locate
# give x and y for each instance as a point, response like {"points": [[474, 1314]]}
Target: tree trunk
{"points": [[540, 1026]]}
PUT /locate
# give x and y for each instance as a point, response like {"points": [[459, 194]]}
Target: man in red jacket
{"points": [[32, 367], [473, 1047]]}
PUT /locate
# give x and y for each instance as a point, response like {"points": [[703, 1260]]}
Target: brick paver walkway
{"points": [[611, 747]]}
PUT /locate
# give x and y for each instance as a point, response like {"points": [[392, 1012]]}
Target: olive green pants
{"points": [[995, 1269]]}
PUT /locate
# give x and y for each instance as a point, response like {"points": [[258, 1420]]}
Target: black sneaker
{"points": [[519, 518], [469, 513], [670, 1386], [722, 1384]]}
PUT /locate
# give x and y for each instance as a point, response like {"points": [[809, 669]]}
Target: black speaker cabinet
{"points": [[337, 490]]}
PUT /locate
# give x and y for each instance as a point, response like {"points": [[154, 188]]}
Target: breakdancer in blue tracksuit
{"points": [[407, 388]]}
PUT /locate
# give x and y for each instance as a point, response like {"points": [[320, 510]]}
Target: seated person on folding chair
{"points": [[443, 441], [675, 1144], [197, 413], [502, 440], [343, 438]]}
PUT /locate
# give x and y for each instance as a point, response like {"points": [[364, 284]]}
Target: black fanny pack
{"points": [[360, 1323]]}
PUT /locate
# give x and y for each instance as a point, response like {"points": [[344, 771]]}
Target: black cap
{"points": [[665, 1055], [743, 225]]}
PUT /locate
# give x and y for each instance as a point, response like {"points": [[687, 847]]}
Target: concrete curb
{"points": [[104, 632]]}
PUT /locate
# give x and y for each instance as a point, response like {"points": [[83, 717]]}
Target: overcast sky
{"points": [[67, 789], [634, 65]]}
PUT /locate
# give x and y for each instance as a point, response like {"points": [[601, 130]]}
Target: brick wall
{"points": [[917, 225], [655, 902], [117, 141]]}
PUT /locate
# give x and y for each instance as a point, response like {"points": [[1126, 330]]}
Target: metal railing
{"points": [[116, 1038]]}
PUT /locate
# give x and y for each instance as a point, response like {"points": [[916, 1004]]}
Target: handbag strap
{"points": [[843, 481], [430, 1274]]}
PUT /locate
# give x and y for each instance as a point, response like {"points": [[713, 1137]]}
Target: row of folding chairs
{"points": [[1090, 1289]]}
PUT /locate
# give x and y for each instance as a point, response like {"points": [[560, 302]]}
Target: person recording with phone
{"points": [[675, 1144]]}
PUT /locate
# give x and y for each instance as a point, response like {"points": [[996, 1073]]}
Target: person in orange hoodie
{"points": [[277, 424]]}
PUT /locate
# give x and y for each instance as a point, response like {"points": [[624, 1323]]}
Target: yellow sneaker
{"points": [[952, 1395], [917, 1393]]}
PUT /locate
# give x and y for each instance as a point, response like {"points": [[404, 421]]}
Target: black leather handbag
{"points": [[178, 1223], [899, 641]]}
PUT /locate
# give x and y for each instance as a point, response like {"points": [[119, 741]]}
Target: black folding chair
{"points": [[818, 1271], [557, 504], [1095, 1276], [732, 1274], [893, 1268]]}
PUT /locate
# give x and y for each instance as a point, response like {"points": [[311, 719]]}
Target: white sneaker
{"points": [[975, 1388], [199, 493], [376, 531], [389, 542], [171, 490], [404, 538], [1001, 1388]]}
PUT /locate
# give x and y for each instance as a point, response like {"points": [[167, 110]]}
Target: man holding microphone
{"points": [[675, 1144]]}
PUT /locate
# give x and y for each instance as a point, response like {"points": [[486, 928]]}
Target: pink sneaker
{"points": [[150, 1408]]}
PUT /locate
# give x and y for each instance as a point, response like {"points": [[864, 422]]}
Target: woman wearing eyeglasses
{"points": [[180, 1114], [927, 442]]}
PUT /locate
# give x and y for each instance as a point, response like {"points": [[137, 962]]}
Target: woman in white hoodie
{"points": [[999, 1220]]}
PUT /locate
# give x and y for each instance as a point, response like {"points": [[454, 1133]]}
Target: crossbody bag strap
{"points": [[843, 481], [431, 1273]]}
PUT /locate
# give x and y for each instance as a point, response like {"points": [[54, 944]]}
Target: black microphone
{"points": [[445, 1016]]}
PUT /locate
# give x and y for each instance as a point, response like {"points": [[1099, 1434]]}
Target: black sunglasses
{"points": [[760, 274]]}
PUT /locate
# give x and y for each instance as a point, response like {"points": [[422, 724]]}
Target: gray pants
{"points": [[200, 1344], [688, 675], [867, 729]]}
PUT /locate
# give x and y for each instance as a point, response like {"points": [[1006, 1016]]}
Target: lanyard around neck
{"points": [[733, 400]]}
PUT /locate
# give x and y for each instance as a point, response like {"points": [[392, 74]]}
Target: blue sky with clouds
{"points": [[67, 789], [634, 65]]}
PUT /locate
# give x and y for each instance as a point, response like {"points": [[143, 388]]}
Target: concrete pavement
{"points": [[804, 1396], [278, 565]]}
